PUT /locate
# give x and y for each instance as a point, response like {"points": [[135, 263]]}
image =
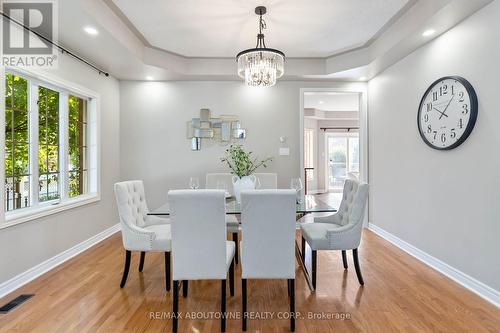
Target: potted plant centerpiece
{"points": [[242, 166]]}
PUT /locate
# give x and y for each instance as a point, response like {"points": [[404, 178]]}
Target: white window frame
{"points": [[65, 88], [347, 135]]}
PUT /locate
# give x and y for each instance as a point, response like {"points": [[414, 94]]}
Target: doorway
{"points": [[333, 140]]}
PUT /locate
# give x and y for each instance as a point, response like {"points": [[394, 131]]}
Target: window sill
{"points": [[28, 214]]}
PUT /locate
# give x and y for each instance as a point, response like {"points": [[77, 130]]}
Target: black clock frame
{"points": [[473, 111]]}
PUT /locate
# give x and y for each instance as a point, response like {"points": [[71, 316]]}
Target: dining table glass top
{"points": [[309, 204]]}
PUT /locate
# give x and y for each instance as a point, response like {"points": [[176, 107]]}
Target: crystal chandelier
{"points": [[260, 66]]}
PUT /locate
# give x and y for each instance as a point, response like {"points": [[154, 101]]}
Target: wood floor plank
{"points": [[400, 294]]}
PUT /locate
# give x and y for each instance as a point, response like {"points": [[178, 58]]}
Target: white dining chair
{"points": [[268, 181], [199, 246], [340, 231], [141, 232], [268, 241], [212, 181]]}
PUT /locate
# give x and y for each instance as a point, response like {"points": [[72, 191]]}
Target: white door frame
{"points": [[362, 90]]}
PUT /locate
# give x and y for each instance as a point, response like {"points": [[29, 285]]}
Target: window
{"points": [[309, 152], [17, 144], [343, 158], [77, 164], [50, 142]]}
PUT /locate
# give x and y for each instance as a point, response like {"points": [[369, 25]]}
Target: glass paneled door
{"points": [[343, 158]]}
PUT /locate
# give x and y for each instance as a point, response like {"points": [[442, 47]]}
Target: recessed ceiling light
{"points": [[91, 31], [149, 78], [321, 102], [428, 33], [363, 78]]}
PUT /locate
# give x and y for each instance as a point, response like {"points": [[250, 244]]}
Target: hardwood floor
{"points": [[400, 295]]}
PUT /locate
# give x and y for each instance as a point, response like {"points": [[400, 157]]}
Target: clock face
{"points": [[447, 113]]}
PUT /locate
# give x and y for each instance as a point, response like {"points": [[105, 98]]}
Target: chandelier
{"points": [[260, 66]]}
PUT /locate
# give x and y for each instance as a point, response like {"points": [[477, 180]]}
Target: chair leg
{"points": [[223, 306], [314, 267], [141, 262], [185, 285], [356, 265], [128, 254], [235, 240], [291, 282], [231, 279], [175, 306], [167, 271], [244, 304], [303, 248], [344, 259]]}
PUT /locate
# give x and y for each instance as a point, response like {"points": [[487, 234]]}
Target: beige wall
{"points": [[25, 245], [153, 119], [445, 203]]}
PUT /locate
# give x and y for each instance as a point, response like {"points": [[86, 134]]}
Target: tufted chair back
{"points": [[352, 200], [131, 202], [133, 211]]}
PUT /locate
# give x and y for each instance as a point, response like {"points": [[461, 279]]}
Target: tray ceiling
{"points": [[222, 28]]}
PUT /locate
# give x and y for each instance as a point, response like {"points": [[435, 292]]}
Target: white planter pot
{"points": [[242, 184]]}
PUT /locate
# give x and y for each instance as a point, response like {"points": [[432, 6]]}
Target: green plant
{"points": [[241, 162]]}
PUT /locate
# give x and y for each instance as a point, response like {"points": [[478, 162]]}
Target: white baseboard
{"points": [[34, 272], [486, 292]]}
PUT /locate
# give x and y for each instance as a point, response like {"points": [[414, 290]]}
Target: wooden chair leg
{"points": [[167, 271], [356, 265], [244, 304], [141, 261], [231, 279], [235, 240], [303, 249], [185, 285], [128, 254], [314, 267], [223, 306], [175, 306], [344, 258], [291, 282]]}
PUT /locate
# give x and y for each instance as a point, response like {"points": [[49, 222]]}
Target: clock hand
{"points": [[446, 108], [442, 113]]}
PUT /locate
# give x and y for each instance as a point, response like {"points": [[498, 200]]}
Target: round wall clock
{"points": [[447, 112]]}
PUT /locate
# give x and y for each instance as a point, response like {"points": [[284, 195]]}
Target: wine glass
{"points": [[221, 185], [258, 184], [296, 184], [194, 183]]}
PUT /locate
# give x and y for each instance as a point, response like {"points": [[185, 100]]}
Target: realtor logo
{"points": [[21, 42]]}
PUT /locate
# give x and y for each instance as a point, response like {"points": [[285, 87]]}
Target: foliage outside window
{"points": [[77, 128], [17, 144], [58, 157], [48, 144]]}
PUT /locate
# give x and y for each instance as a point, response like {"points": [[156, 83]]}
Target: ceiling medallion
{"points": [[260, 66]]}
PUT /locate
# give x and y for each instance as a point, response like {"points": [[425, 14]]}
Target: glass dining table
{"points": [[308, 204]]}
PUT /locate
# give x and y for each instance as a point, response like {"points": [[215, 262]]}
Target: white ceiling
{"points": [[222, 28], [331, 101], [120, 49]]}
